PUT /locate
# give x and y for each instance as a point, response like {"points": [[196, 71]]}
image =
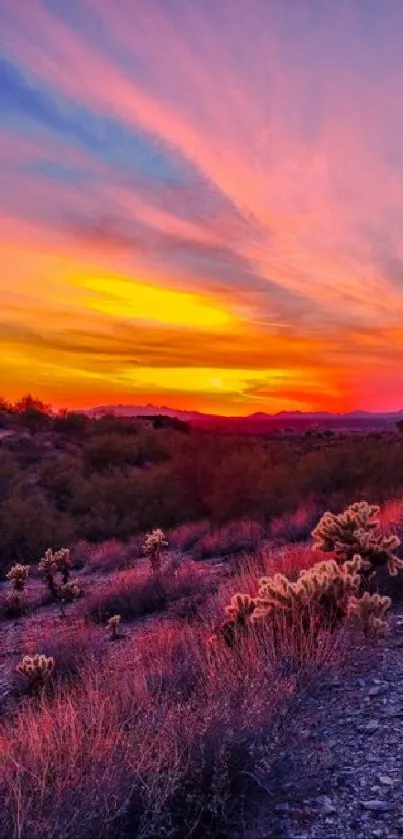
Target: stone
{"points": [[376, 690], [326, 805], [384, 779], [371, 726], [376, 806]]}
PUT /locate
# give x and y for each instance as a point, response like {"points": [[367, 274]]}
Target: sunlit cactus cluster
{"points": [[154, 544], [357, 531], [371, 609], [37, 669], [15, 598], [18, 575], [48, 567], [326, 594], [59, 561]]}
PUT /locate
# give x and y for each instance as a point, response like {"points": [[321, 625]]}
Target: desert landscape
{"points": [[179, 637], [201, 419]]}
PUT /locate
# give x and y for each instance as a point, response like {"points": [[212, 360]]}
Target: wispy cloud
{"points": [[170, 169]]}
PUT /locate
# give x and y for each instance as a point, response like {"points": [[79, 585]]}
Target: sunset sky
{"points": [[201, 203]]}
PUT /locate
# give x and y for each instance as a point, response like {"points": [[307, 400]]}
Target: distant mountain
{"points": [[261, 422], [144, 411]]}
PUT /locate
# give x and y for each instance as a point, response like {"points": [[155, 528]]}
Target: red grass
{"points": [[157, 735], [158, 740], [137, 592], [230, 539]]}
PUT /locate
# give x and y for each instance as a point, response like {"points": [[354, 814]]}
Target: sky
{"points": [[201, 203]]}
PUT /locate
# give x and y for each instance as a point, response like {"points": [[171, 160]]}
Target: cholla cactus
{"points": [[15, 599], [240, 609], [356, 531], [112, 625], [63, 563], [320, 596], [70, 591], [371, 609], [239, 612], [37, 669], [18, 576], [153, 545], [48, 566]]}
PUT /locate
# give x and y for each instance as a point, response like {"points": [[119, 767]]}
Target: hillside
{"points": [[184, 625], [149, 729]]}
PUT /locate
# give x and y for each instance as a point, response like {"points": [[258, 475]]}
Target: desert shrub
{"points": [[116, 506], [76, 648], [32, 413], [8, 474], [28, 525], [186, 536], [110, 555], [238, 486], [72, 424], [295, 526], [128, 595], [113, 424], [134, 593], [107, 452], [233, 538], [60, 480]]}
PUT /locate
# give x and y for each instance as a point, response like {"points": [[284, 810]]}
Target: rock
{"points": [[384, 779], [282, 808], [376, 806], [326, 805], [370, 727], [376, 690]]}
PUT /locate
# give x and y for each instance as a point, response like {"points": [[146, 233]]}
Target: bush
{"points": [[28, 526], [135, 593]]}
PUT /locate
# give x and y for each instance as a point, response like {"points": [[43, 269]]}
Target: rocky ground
{"points": [[340, 771]]}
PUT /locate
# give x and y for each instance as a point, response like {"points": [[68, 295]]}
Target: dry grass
{"points": [[297, 526], [137, 592], [153, 735], [230, 539], [158, 733], [157, 742]]}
